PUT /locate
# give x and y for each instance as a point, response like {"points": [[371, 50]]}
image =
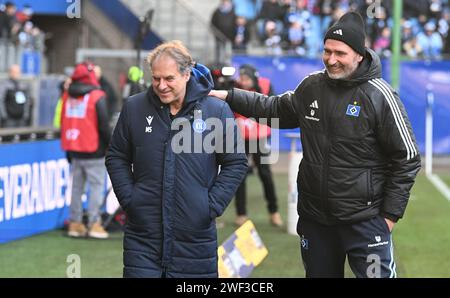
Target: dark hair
{"points": [[252, 73]]}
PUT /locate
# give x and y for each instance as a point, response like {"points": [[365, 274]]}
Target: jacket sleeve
{"points": [[28, 104], [257, 105], [103, 120], [396, 139], [3, 114], [233, 165], [119, 160]]}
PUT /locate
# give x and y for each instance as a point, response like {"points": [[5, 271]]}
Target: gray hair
{"points": [[177, 51]]}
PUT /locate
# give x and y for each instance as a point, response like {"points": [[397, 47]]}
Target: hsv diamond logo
{"points": [[304, 242], [353, 109]]}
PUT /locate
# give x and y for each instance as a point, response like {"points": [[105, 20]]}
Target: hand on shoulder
{"points": [[221, 94]]}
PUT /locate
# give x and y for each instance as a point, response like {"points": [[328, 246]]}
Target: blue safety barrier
{"points": [[34, 183]]}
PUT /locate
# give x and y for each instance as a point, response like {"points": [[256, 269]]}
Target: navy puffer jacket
{"points": [[172, 198]]}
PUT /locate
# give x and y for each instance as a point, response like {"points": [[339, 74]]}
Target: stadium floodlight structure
{"points": [[396, 45], [145, 26]]}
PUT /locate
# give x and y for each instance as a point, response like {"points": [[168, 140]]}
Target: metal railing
{"points": [[10, 54], [28, 134]]}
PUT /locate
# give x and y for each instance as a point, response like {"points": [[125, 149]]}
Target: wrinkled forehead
{"points": [[165, 65], [333, 45]]}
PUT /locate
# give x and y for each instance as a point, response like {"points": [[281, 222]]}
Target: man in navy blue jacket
{"points": [[173, 196]]}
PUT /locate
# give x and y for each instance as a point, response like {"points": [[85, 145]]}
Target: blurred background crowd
{"points": [[297, 27]]}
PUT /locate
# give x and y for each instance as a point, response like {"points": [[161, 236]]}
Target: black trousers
{"points": [[367, 245], [265, 175]]}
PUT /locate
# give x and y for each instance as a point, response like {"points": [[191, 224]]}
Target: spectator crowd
{"points": [[297, 27], [16, 27]]}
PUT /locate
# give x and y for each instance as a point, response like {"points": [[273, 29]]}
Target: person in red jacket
{"points": [[254, 132], [85, 136]]}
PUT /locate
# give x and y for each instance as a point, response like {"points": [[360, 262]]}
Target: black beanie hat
{"points": [[248, 70], [252, 73], [350, 30]]}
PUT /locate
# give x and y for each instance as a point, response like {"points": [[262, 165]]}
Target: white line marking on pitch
{"points": [[440, 185]]}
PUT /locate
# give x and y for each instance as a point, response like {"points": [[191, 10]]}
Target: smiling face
{"points": [[340, 60], [168, 82]]}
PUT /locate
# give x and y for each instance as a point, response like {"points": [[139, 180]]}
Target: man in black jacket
{"points": [[224, 20], [360, 157], [7, 20], [15, 100]]}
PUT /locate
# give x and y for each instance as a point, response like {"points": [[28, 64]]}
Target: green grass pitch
{"points": [[421, 241]]}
